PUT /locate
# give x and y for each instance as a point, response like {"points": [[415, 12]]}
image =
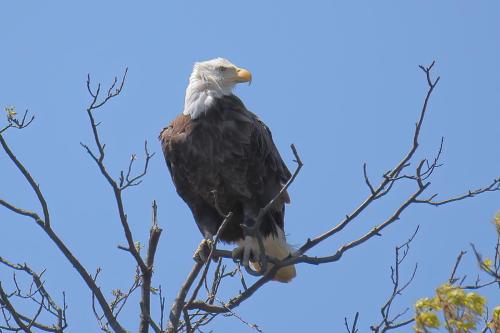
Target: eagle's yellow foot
{"points": [[203, 251]]}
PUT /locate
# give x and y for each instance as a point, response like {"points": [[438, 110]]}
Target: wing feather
{"points": [[228, 150]]}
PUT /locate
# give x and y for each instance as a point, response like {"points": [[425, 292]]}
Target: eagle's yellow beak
{"points": [[242, 75]]}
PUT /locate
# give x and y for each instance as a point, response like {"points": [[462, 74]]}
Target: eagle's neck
{"points": [[201, 94]]}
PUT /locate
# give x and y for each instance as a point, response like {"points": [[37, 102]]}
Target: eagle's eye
{"points": [[222, 69]]}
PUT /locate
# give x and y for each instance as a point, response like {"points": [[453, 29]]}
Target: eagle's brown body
{"points": [[226, 159]]}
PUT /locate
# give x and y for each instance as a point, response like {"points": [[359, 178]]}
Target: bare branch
{"points": [[367, 181], [5, 302], [45, 225], [452, 278], [181, 296], [14, 122], [374, 232], [136, 180], [117, 189], [389, 177], [179, 301], [23, 212], [51, 307], [353, 328], [389, 322], [29, 178], [125, 181], [145, 303], [494, 186]]}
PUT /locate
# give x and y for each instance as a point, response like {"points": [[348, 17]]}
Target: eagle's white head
{"points": [[209, 80]]}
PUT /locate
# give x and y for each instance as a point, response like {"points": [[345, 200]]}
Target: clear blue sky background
{"points": [[338, 79]]}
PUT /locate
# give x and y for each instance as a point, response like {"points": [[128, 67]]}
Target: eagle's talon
{"points": [[203, 251], [244, 252]]}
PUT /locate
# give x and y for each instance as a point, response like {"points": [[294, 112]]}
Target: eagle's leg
{"points": [[248, 248], [203, 251]]}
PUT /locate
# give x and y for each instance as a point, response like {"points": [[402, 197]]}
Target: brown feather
{"points": [[228, 150]]}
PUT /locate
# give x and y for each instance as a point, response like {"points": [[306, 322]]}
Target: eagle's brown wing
{"points": [[225, 160]]}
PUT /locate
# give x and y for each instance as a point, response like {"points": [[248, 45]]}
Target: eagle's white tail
{"points": [[277, 247]]}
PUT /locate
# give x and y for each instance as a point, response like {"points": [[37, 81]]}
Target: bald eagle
{"points": [[217, 146]]}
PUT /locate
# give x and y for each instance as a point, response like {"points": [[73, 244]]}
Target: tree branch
{"points": [[388, 322], [145, 303], [35, 187]]}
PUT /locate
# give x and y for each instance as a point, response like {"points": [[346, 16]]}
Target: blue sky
{"points": [[338, 79]]}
